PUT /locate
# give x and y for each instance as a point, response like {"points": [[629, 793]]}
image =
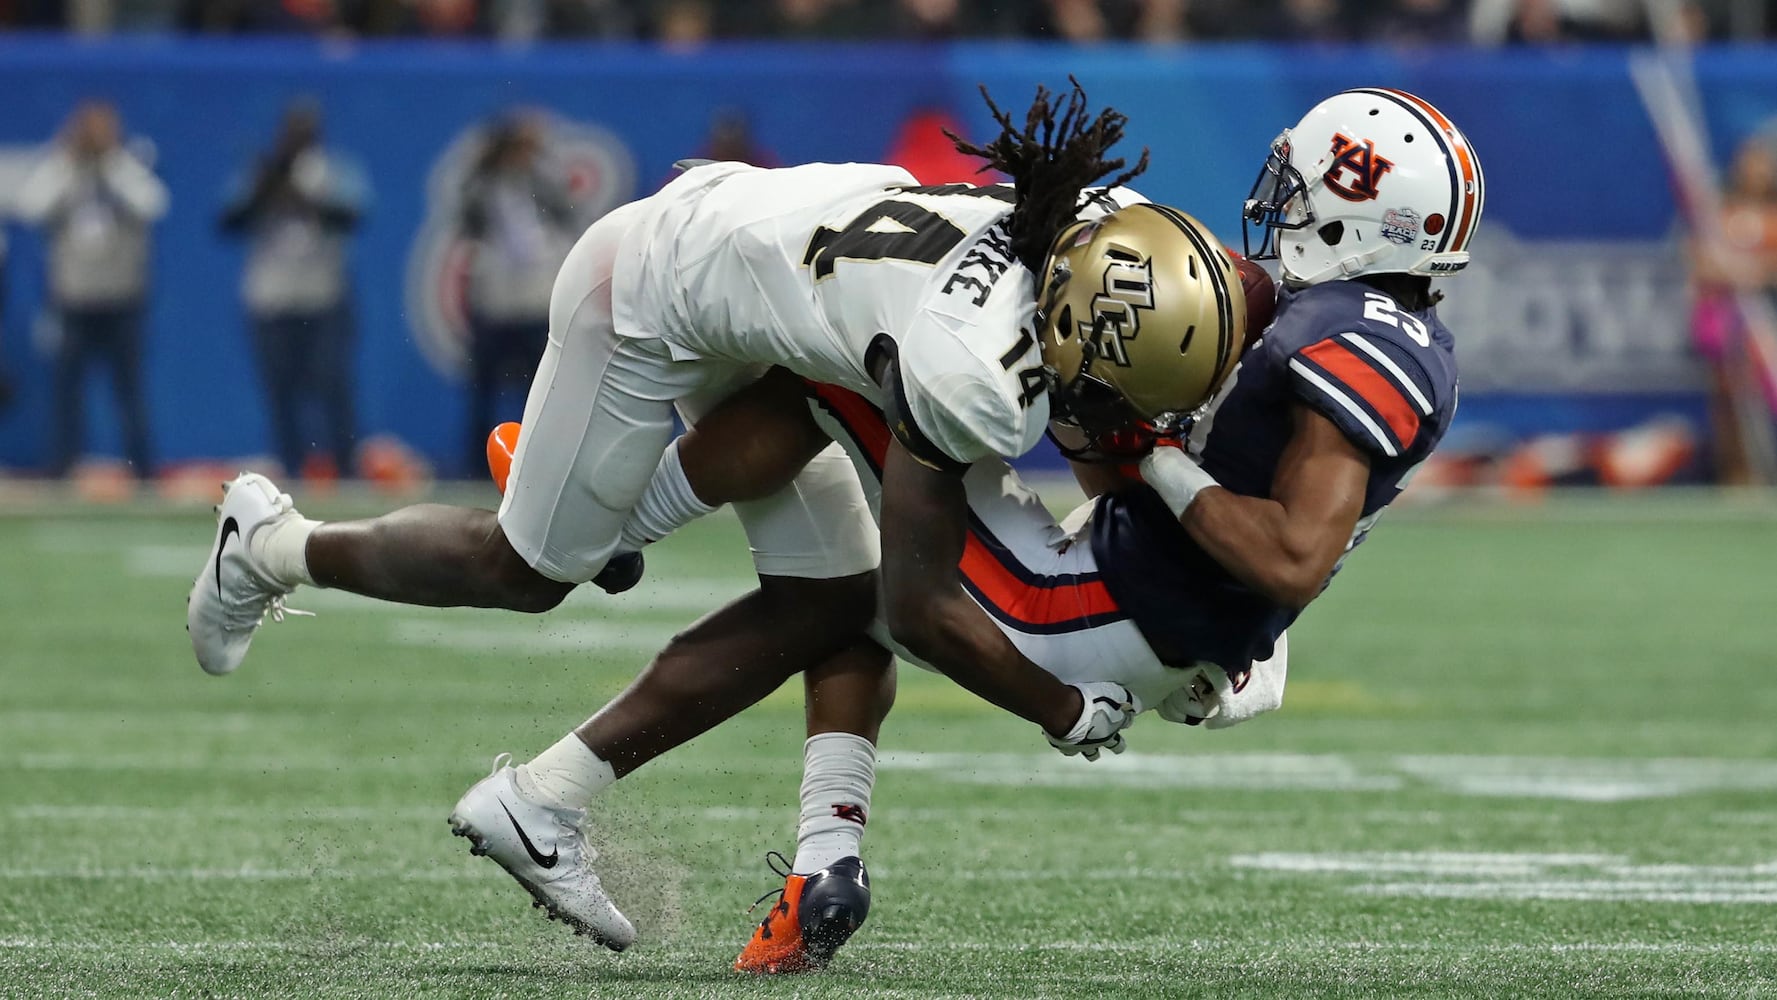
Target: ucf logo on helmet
{"points": [[1128, 286], [1356, 169]]}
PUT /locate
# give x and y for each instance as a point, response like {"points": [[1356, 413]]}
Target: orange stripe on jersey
{"points": [[1471, 183], [985, 566], [1027, 602], [859, 416], [1370, 385]]}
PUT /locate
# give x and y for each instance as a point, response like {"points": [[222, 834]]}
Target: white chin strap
{"points": [[1351, 267], [1345, 267]]}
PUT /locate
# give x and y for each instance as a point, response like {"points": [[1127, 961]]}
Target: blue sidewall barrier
{"points": [[1569, 153]]}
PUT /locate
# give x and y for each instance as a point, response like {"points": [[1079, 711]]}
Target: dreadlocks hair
{"points": [[1050, 161]]}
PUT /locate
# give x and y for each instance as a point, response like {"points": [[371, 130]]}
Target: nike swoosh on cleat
{"points": [[229, 527], [536, 855]]}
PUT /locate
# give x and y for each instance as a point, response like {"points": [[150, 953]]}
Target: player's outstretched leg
{"points": [[541, 847], [427, 554], [233, 594]]}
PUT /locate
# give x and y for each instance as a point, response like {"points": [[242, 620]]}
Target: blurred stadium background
{"points": [[1527, 749]]}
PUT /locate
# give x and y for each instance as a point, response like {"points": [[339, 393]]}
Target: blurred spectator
{"points": [[528, 20], [681, 23], [445, 18], [96, 200], [1103, 20], [6, 388], [1418, 22], [731, 138], [520, 223], [824, 20], [297, 206], [1313, 21], [97, 17], [1747, 263], [1545, 22], [941, 20]]}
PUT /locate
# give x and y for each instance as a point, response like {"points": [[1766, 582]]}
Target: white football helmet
{"points": [[1371, 181]]}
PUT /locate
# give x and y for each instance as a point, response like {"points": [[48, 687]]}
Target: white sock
{"points": [[838, 771], [666, 506], [280, 550], [565, 776]]}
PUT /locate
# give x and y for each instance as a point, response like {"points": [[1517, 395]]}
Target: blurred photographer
{"points": [[516, 214], [95, 201], [297, 208], [1740, 399]]}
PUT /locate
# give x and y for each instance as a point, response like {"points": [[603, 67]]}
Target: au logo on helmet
{"points": [[1365, 167], [1128, 286]]}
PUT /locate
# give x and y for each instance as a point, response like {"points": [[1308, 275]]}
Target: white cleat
{"points": [[231, 596], [541, 847]]}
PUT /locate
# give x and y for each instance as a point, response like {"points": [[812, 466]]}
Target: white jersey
{"points": [[814, 267]]}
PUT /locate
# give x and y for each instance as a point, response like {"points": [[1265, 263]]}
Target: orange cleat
{"points": [[813, 916], [502, 443]]}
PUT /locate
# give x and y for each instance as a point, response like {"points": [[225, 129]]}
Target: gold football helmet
{"points": [[1142, 316]]}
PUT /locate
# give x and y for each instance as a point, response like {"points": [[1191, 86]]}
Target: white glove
{"points": [[1106, 710], [1218, 701]]}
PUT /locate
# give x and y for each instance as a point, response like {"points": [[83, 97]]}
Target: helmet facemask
{"points": [[1092, 407], [1277, 202]]}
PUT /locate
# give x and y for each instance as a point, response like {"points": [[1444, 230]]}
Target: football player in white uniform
{"points": [[921, 300]]}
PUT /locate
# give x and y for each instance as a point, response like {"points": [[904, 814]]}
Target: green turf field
{"points": [[1525, 752]]}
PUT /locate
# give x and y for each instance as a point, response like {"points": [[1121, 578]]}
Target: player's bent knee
{"points": [[522, 587]]}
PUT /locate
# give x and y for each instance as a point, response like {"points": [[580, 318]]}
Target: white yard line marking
{"points": [[1575, 779], [175, 561], [1759, 894], [877, 946], [410, 812], [1527, 876], [1417, 862], [245, 873], [1589, 779], [211, 813], [1528, 778], [430, 764], [1244, 771], [233, 763], [536, 637], [353, 944]]}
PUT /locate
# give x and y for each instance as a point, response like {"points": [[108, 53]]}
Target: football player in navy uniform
{"points": [[1324, 421]]}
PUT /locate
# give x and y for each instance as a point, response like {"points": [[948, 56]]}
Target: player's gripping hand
{"points": [[1106, 710]]}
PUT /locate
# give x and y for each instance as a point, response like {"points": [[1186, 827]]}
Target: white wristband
{"points": [[1175, 477]]}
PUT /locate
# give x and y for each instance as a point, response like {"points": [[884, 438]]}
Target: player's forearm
{"points": [[953, 635], [924, 518], [1252, 538]]}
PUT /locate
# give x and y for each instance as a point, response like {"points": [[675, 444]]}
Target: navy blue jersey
{"points": [[1385, 377]]}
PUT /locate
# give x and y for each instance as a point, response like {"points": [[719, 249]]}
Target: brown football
{"points": [[1261, 295]]}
